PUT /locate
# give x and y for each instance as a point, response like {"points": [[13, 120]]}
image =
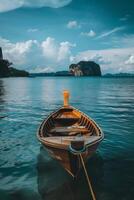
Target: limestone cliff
{"points": [[85, 68]]}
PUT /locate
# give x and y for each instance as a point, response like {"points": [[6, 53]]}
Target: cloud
{"points": [[125, 18], [50, 55], [114, 30], [17, 52], [64, 50], [49, 51], [130, 60], [42, 69], [49, 48], [73, 24], [127, 40], [110, 60], [7, 5], [56, 53], [91, 33], [30, 54], [32, 30]]}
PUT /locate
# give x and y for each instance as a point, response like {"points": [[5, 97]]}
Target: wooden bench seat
{"points": [[65, 140], [71, 130]]}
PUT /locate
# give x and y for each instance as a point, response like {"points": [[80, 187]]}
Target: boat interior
{"points": [[68, 125], [69, 122]]}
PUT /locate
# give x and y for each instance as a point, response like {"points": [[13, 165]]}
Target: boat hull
{"points": [[66, 134], [71, 162]]}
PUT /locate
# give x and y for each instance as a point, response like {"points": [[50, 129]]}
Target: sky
{"points": [[49, 35]]}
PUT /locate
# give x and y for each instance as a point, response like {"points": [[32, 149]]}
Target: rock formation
{"points": [[85, 68]]}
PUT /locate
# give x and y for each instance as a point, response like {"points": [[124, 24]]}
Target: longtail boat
{"points": [[68, 133]]}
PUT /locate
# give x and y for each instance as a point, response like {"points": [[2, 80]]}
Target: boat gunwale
{"points": [[41, 138], [65, 147]]}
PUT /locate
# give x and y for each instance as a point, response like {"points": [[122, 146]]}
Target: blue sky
{"points": [[49, 35]]}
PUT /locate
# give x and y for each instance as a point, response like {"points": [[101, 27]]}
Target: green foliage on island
{"points": [[4, 68], [63, 73], [13, 72], [7, 71], [58, 73], [85, 68], [118, 75]]}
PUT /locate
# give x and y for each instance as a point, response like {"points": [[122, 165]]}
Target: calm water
{"points": [[26, 170]]}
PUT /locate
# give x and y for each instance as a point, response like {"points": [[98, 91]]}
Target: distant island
{"points": [[85, 68], [58, 73], [82, 68], [7, 71], [118, 75]]}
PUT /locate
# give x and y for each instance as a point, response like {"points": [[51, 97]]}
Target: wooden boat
{"points": [[67, 133]]}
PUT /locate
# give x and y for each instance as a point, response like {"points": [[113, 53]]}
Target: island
{"points": [[119, 75], [58, 73], [7, 71], [85, 68]]}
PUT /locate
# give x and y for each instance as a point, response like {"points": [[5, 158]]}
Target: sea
{"points": [[27, 172]]}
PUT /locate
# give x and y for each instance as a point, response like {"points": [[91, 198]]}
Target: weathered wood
{"points": [[69, 129], [57, 133]]}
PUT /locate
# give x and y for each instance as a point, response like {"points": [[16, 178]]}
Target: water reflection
{"points": [[26, 102], [55, 184], [2, 91], [2, 100]]}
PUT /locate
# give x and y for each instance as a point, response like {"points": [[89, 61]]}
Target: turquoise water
{"points": [[26, 170]]}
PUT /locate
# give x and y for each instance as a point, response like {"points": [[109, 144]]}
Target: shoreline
{"points": [[76, 77]]}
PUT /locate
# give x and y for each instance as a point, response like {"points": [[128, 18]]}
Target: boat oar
{"points": [[87, 177]]}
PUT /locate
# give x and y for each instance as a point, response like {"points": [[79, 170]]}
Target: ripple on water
{"points": [[27, 172]]}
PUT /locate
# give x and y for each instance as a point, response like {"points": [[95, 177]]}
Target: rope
{"points": [[87, 177]]}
